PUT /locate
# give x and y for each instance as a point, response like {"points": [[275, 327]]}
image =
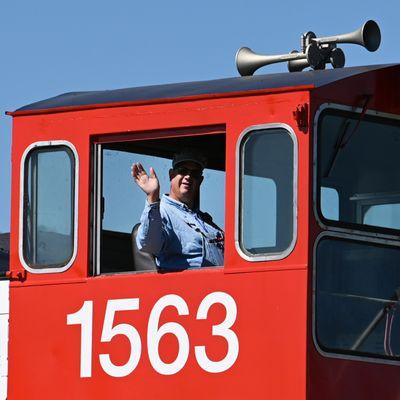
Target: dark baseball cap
{"points": [[189, 155]]}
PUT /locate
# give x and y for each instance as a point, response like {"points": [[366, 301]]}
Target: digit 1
{"points": [[84, 317]]}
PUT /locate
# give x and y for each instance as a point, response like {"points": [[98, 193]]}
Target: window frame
{"points": [[27, 151], [97, 146], [333, 353], [239, 194], [340, 226]]}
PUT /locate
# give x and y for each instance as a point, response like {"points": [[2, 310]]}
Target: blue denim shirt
{"points": [[179, 237]]}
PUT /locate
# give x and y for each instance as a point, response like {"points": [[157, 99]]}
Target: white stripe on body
{"points": [[4, 314]]}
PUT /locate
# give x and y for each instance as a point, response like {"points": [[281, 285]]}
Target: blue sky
{"points": [[52, 47]]}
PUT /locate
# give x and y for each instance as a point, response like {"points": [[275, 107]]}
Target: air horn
{"points": [[315, 52]]}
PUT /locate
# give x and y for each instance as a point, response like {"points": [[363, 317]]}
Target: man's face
{"points": [[185, 179]]}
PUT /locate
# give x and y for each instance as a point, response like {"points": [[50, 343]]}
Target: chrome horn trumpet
{"points": [[315, 52], [248, 62], [368, 36]]}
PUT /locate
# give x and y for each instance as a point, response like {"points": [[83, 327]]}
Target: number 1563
{"points": [[84, 317]]}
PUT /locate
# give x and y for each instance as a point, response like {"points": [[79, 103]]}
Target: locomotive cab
{"points": [[302, 176]]}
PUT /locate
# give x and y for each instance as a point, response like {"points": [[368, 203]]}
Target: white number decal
{"points": [[109, 331], [223, 329], [155, 333], [84, 317]]}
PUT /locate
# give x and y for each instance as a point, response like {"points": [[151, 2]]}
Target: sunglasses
{"points": [[194, 173]]}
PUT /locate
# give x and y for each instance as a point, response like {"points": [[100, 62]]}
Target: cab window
{"points": [[358, 174], [49, 208], [267, 218], [356, 297], [120, 202]]}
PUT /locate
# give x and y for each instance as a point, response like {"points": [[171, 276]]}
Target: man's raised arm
{"points": [[150, 237]]}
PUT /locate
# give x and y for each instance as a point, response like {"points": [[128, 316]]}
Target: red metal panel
{"points": [[271, 300], [270, 326], [80, 127]]}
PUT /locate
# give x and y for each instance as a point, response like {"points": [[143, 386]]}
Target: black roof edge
{"points": [[218, 86]]}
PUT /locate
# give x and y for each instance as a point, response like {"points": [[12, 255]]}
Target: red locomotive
{"points": [[302, 173]]}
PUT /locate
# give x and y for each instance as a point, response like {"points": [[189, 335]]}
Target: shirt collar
{"points": [[177, 203]]}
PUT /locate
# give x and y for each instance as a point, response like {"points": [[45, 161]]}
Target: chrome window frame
{"points": [[316, 208], [239, 191], [336, 354], [31, 147]]}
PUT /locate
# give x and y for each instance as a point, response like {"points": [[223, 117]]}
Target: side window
{"points": [[357, 171], [122, 201], [48, 223], [267, 222], [356, 297]]}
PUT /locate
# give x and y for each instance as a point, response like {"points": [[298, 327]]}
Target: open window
{"points": [[119, 202]]}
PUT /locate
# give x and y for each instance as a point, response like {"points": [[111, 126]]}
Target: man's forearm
{"points": [[153, 197]]}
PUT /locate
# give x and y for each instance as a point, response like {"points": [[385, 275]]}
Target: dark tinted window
{"points": [[4, 251], [48, 235], [357, 287], [358, 159], [266, 192]]}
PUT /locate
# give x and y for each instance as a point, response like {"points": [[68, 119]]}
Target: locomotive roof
{"points": [[311, 79]]}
